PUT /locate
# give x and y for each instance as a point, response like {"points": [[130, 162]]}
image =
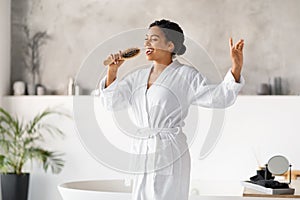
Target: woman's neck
{"points": [[159, 66]]}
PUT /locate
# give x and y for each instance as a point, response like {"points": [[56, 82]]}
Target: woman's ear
{"points": [[171, 46]]}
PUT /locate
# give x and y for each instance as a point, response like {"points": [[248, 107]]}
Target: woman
{"points": [[160, 96]]}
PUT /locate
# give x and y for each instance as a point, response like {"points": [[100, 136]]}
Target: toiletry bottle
{"points": [[77, 90], [71, 87]]}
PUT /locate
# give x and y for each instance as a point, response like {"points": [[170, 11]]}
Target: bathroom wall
{"points": [[270, 29], [4, 47]]}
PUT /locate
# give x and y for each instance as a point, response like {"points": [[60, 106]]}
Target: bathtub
{"points": [[117, 190], [95, 190]]}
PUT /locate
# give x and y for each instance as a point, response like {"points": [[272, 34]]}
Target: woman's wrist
{"points": [[111, 75], [112, 69], [236, 72]]}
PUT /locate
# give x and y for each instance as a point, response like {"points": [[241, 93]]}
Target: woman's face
{"points": [[156, 44]]}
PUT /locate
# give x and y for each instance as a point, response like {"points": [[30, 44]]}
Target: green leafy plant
{"points": [[20, 142]]}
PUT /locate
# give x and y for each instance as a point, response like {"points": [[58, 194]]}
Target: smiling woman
{"points": [[160, 96]]}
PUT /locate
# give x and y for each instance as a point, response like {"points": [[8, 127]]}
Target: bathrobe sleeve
{"points": [[215, 96], [118, 94]]}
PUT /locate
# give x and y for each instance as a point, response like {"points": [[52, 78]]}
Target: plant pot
{"points": [[14, 187]]}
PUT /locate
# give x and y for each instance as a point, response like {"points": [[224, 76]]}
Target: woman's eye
{"points": [[151, 39]]}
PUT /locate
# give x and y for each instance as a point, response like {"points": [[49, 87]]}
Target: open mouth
{"points": [[149, 51]]}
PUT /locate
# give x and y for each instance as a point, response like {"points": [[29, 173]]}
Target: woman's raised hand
{"points": [[117, 60], [236, 54]]}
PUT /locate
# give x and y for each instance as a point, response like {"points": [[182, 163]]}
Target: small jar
{"points": [[19, 88], [40, 90]]}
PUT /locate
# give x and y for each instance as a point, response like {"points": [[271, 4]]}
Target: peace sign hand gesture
{"points": [[236, 54]]}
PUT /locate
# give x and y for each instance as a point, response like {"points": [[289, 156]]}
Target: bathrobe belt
{"points": [[148, 133], [155, 149]]}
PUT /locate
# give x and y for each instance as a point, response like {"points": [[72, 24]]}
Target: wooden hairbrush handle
{"points": [[109, 61], [127, 54]]}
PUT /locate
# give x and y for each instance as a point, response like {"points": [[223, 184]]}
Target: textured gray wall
{"points": [[270, 28], [4, 47]]}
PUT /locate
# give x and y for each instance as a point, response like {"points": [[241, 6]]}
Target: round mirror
{"points": [[278, 165]]}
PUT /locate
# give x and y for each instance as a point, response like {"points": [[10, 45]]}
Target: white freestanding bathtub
{"points": [[95, 190], [117, 190]]}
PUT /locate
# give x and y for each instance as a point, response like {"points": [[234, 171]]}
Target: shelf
{"points": [[239, 97], [42, 96]]}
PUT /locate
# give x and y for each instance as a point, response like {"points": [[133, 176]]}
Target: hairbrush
{"points": [[126, 54]]}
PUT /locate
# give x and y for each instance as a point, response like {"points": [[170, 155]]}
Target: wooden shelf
{"points": [[245, 194], [253, 193]]}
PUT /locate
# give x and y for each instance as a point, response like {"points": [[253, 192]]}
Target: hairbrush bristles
{"points": [[127, 54]]}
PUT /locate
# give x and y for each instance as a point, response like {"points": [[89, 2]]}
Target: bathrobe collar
{"points": [[165, 72]]}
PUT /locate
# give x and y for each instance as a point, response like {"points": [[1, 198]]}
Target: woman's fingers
{"points": [[240, 44], [237, 45], [230, 42], [116, 58]]}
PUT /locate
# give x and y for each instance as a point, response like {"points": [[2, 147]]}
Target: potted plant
{"points": [[20, 142], [32, 57]]}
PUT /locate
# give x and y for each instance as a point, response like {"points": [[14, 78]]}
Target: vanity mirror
{"points": [[278, 165]]}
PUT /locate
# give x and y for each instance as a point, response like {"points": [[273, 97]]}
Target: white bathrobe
{"points": [[164, 164]]}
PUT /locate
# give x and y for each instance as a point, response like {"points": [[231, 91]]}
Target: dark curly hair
{"points": [[173, 33]]}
